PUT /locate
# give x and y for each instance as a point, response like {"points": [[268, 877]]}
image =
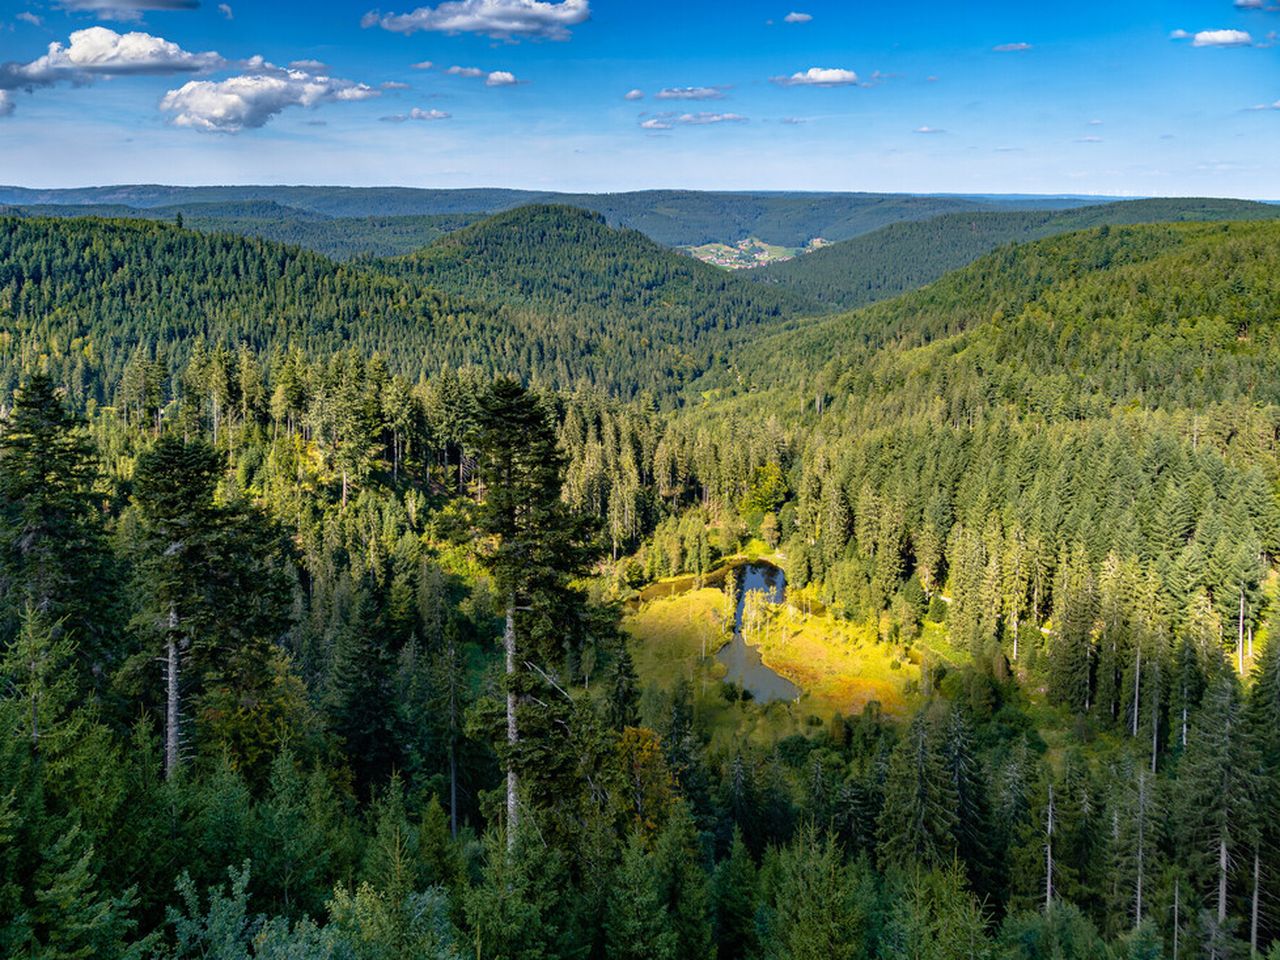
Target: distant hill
{"points": [[677, 218], [341, 238], [906, 255], [545, 292], [599, 290]]}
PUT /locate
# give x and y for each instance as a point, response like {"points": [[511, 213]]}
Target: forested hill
{"points": [[909, 254], [93, 295], [568, 262], [340, 238], [1112, 292]]}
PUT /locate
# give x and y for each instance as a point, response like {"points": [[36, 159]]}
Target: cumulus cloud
{"points": [[928, 130], [101, 52], [125, 9], [654, 123], [250, 100], [819, 77], [417, 113], [26, 16], [690, 93], [499, 19], [1222, 38], [472, 72], [422, 65], [225, 10], [1011, 47], [794, 17], [633, 95], [311, 66]]}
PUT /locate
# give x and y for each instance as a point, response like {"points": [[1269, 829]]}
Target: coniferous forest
{"points": [[375, 609]]}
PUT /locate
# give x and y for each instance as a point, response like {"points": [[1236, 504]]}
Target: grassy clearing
{"points": [[839, 666]]}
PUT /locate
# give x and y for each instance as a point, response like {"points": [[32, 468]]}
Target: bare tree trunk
{"points": [[1222, 880], [344, 488], [1048, 856], [172, 717], [513, 735]]}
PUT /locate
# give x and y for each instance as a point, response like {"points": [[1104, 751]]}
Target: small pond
{"points": [[740, 658]]}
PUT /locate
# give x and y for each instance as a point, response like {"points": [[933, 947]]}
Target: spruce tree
{"points": [[918, 820]]}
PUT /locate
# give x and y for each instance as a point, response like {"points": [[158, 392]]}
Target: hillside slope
{"points": [[906, 255], [88, 293]]}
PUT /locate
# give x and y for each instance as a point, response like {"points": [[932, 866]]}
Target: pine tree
{"points": [[734, 891], [1216, 787], [918, 820], [533, 545], [636, 923], [52, 554]]}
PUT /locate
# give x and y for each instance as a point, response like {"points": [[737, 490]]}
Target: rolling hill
{"points": [[905, 255], [672, 217]]}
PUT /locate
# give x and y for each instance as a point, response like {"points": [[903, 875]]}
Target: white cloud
{"points": [[1095, 123], [793, 121], [394, 85], [125, 9], [417, 113], [225, 10], [1222, 38], [701, 119], [1011, 47], [1249, 4], [633, 95], [819, 77], [499, 19], [794, 17], [1179, 35], [101, 52], [311, 66], [927, 130], [690, 93], [250, 100], [492, 78], [654, 123], [6, 103], [422, 65], [26, 16]]}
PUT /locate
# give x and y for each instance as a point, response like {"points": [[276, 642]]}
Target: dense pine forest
{"points": [[352, 610]]}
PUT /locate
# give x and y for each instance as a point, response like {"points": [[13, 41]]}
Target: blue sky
{"points": [[1144, 97]]}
